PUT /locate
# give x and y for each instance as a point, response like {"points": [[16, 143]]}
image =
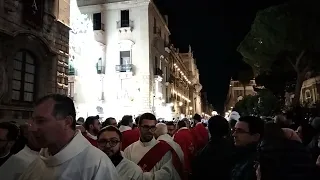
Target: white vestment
{"points": [[163, 170], [123, 128], [79, 160], [128, 170], [17, 164], [167, 138]]}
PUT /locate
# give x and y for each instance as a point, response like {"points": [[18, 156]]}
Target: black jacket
{"points": [[214, 161]]}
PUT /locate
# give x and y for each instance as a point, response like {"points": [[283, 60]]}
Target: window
{"points": [[154, 25], [125, 57], [156, 62], [308, 94], [23, 77], [125, 20], [71, 90], [97, 21]]}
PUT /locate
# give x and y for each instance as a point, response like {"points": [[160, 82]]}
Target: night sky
{"points": [[214, 29]]}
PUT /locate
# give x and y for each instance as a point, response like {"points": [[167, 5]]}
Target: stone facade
{"points": [[33, 57], [310, 91]]}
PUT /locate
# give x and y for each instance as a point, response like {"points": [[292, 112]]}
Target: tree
{"points": [[244, 78], [262, 104], [287, 35]]}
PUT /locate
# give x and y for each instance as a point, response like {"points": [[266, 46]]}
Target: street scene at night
{"points": [[159, 90]]}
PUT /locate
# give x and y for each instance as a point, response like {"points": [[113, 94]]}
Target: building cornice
{"points": [[160, 16]]}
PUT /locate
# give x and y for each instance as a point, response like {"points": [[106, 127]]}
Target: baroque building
{"points": [[34, 36], [119, 58]]}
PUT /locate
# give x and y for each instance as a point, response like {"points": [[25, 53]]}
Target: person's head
{"points": [[9, 133], [197, 118], [181, 124], [127, 120], [248, 130], [29, 137], [282, 121], [171, 128], [161, 129], [218, 127], [80, 121], [109, 140], [53, 120], [92, 124], [109, 121], [147, 126]]}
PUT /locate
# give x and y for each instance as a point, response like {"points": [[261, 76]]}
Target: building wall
{"points": [[236, 93], [310, 91], [44, 39]]}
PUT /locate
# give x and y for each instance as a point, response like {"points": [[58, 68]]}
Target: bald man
{"points": [[161, 133]]}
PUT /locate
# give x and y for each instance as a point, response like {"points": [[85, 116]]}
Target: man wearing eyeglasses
{"points": [[247, 133], [8, 135], [110, 141], [157, 159]]}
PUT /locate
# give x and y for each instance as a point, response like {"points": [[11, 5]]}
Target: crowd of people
{"points": [[54, 146]]}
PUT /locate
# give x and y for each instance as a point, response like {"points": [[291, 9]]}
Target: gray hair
{"points": [[161, 129]]}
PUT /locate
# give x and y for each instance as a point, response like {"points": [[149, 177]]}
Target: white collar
{"points": [[123, 128], [150, 143], [198, 123], [91, 136], [75, 147], [30, 151], [165, 137]]}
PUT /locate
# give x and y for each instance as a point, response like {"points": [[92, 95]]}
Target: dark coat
{"points": [[214, 161]]}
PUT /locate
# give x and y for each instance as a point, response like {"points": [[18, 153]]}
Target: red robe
{"points": [[201, 136], [129, 137], [184, 138], [93, 141]]}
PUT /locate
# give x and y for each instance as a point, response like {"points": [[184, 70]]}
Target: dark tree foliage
{"points": [[285, 37]]}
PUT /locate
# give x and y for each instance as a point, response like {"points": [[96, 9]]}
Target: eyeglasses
{"points": [[112, 142], [148, 128], [240, 131]]}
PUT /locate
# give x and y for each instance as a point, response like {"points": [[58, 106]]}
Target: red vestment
{"points": [[129, 137], [201, 136], [184, 138]]}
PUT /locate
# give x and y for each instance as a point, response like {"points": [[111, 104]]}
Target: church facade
{"points": [[34, 36]]}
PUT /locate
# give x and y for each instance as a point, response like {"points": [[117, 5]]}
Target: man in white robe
{"points": [[18, 163], [161, 133], [148, 146], [65, 153], [109, 141]]}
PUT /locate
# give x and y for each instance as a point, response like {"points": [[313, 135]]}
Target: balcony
{"points": [[124, 68], [125, 26], [125, 71], [99, 35]]}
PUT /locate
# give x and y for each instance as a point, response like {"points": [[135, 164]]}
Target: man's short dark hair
{"points": [[110, 128], [197, 117], [170, 123], [148, 116], [13, 130], [64, 106], [136, 120], [90, 121], [126, 120], [218, 126], [181, 124], [255, 124], [107, 122]]}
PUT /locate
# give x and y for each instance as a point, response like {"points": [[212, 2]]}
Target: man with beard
{"points": [[65, 153], [8, 135], [92, 126], [110, 141], [156, 158]]}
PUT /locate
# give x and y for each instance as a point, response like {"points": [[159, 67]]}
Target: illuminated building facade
{"points": [[237, 92], [184, 84], [34, 37], [121, 65]]}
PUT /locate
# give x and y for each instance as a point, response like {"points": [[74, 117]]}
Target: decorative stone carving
{"points": [[11, 5]]}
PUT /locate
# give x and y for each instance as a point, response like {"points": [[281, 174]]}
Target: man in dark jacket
{"points": [[247, 134], [217, 153]]}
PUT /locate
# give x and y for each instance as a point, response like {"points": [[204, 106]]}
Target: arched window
{"points": [[23, 77]]}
